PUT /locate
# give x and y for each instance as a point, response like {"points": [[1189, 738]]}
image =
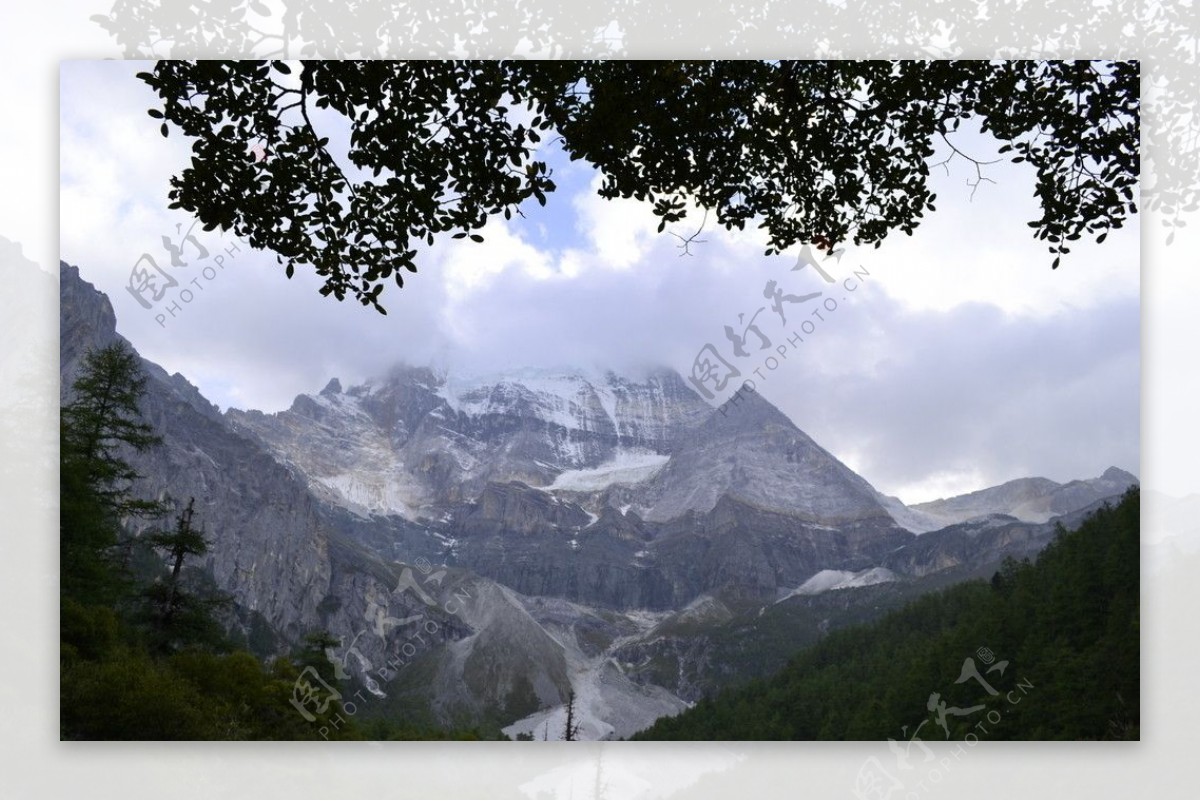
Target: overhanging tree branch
{"points": [[825, 152]]}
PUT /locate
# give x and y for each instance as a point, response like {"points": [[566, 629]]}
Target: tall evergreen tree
{"points": [[184, 541], [181, 616], [102, 420]]}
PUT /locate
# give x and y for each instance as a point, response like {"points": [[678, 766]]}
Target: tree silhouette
{"points": [[102, 419], [571, 727], [822, 152], [100, 424], [184, 541], [184, 615]]}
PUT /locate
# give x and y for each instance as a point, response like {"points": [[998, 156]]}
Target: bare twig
{"points": [[979, 165], [687, 242]]}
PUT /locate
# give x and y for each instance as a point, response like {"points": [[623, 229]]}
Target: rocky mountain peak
{"points": [[1118, 475], [752, 452], [86, 320], [416, 441]]}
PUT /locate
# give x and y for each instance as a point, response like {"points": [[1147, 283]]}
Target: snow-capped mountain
{"points": [[623, 491], [608, 535], [415, 441]]}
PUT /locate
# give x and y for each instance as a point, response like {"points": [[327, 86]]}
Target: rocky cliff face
{"points": [[296, 563], [754, 454], [267, 541]]}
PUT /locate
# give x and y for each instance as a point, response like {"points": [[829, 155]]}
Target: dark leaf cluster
{"points": [[349, 168]]}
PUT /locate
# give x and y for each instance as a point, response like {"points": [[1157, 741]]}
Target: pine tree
{"points": [[184, 541], [102, 420], [104, 417]]}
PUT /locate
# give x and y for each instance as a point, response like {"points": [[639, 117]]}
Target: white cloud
{"points": [[978, 248], [622, 229]]}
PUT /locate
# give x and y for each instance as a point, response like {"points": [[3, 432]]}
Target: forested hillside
{"points": [[1045, 651]]}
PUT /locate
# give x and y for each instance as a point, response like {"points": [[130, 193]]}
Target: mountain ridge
{"points": [[1032, 499], [601, 507]]}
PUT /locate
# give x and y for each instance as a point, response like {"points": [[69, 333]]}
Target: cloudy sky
{"points": [[960, 360]]}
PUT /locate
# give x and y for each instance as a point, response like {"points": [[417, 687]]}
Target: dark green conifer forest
{"points": [[1065, 627]]}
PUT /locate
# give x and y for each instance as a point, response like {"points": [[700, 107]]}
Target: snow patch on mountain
{"points": [[627, 467], [827, 580], [555, 396]]}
